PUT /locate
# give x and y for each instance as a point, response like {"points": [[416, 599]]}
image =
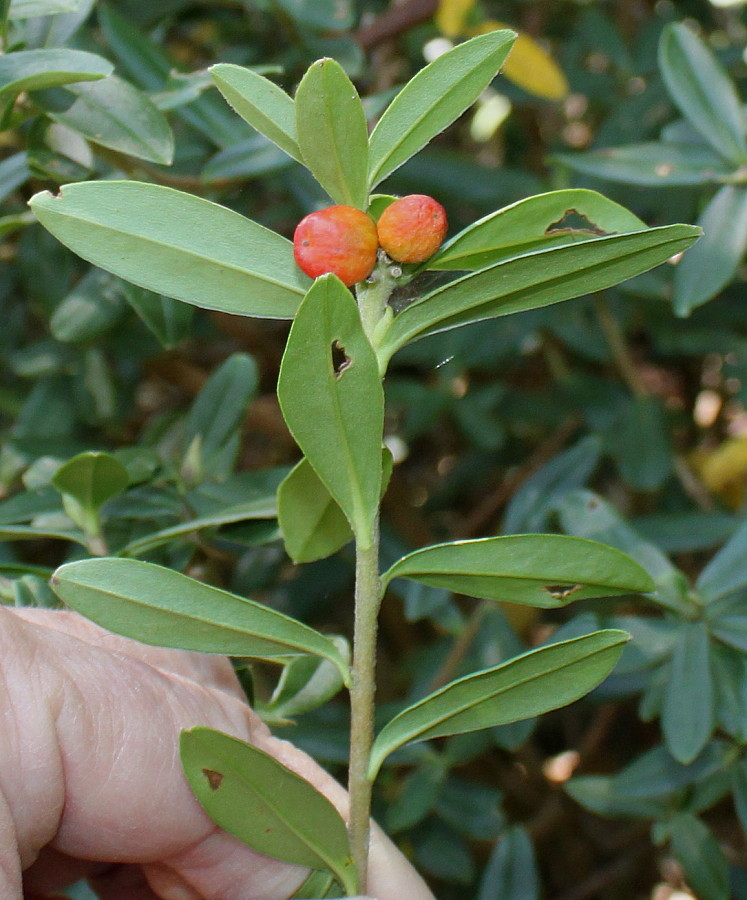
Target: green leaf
{"points": [[511, 873], [116, 115], [727, 570], [638, 440], [91, 308], [14, 171], [533, 224], [167, 319], [91, 478], [700, 855], [318, 885], [159, 606], [332, 132], [433, 99], [313, 525], [31, 9], [535, 280], [545, 570], [250, 794], [220, 407], [306, 683], [176, 244], [688, 717], [529, 685], [336, 411], [262, 508], [37, 532], [261, 103], [31, 70], [712, 263], [703, 91], [651, 165]]}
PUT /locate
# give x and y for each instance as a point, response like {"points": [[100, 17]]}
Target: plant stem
{"points": [[367, 601]]}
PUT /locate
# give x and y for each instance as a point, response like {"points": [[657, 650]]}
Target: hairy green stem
{"points": [[367, 602]]}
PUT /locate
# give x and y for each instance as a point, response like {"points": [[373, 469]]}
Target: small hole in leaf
{"points": [[561, 591], [572, 220], [214, 779], [340, 359]]}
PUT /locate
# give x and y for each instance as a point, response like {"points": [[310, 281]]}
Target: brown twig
{"points": [[396, 20]]}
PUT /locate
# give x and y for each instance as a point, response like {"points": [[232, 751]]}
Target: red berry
{"points": [[339, 239], [412, 228]]}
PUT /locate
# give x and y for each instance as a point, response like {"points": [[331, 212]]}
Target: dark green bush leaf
{"points": [[701, 857], [511, 873], [688, 716], [703, 91], [92, 479], [32, 70]]}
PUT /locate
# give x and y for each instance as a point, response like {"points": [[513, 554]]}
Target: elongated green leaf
{"points": [[31, 9], [699, 853], [317, 886], [433, 99], [31, 70], [727, 571], [533, 224], [703, 91], [688, 716], [167, 319], [335, 411], [332, 132], [313, 525], [159, 606], [261, 103], [91, 478], [220, 407], [526, 686], [13, 172], [262, 508], [511, 873], [546, 570], [176, 244], [536, 279], [712, 263], [93, 306], [35, 533], [254, 797], [117, 115], [652, 165]]}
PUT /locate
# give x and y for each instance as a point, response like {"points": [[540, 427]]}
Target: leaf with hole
{"points": [[251, 795], [535, 280], [176, 244], [545, 570], [533, 224], [529, 685], [334, 407], [159, 606]]}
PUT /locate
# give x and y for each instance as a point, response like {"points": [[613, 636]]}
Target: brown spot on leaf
{"points": [[561, 591], [214, 779]]}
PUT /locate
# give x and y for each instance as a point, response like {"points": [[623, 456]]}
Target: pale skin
{"points": [[90, 779]]}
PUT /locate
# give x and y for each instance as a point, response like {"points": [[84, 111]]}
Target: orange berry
{"points": [[339, 239], [412, 228]]}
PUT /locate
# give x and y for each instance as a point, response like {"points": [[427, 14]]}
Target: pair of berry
{"points": [[345, 241]]}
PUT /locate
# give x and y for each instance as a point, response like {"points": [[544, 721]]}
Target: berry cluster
{"points": [[345, 241]]}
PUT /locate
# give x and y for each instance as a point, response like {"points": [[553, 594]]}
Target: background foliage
{"points": [[140, 426]]}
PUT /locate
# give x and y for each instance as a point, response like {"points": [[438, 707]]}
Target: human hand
{"points": [[91, 784]]}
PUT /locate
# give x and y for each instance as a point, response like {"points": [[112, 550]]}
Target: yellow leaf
{"points": [[528, 65], [452, 16], [723, 470]]}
